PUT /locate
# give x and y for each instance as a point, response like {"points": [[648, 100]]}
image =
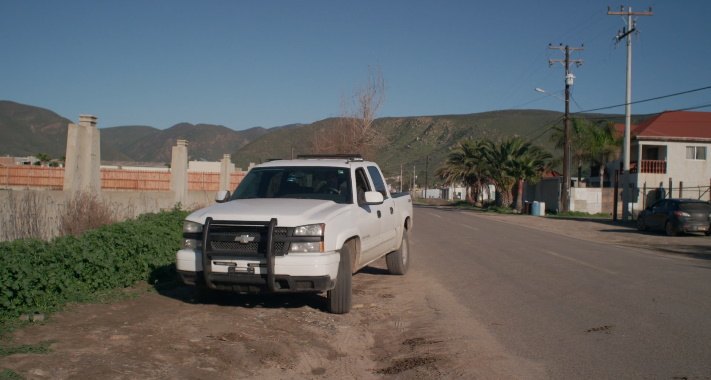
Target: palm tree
{"points": [[579, 151], [601, 143], [512, 162], [590, 142], [465, 164]]}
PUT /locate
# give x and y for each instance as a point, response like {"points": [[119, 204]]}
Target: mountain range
{"points": [[419, 142]]}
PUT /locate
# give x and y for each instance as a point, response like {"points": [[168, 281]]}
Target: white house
{"points": [[671, 148]]}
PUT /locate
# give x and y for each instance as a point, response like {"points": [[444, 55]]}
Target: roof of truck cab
{"points": [[334, 162]]}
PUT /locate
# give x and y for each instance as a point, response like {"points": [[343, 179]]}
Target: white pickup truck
{"points": [[303, 225]]}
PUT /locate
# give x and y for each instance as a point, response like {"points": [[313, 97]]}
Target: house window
{"points": [[695, 152]]}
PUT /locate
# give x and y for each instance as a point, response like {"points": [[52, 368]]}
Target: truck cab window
{"points": [[362, 185], [378, 181]]}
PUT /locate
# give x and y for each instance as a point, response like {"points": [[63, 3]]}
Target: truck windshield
{"points": [[303, 182]]}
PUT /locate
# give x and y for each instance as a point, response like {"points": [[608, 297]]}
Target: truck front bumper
{"points": [[314, 272]]}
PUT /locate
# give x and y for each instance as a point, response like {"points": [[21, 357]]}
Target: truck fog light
{"points": [[191, 243], [306, 247]]}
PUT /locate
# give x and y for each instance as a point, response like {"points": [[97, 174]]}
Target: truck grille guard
{"points": [[270, 252]]}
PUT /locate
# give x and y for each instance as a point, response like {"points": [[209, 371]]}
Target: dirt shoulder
{"points": [[392, 332]]}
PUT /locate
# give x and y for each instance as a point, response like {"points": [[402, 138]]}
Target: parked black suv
{"points": [[675, 216]]}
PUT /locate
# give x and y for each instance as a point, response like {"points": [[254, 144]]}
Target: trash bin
{"points": [[535, 209]]}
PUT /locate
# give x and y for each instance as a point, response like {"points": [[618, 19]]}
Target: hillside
{"points": [[409, 140], [418, 141], [27, 130]]}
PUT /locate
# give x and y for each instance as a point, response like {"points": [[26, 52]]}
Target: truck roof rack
{"points": [[347, 156]]}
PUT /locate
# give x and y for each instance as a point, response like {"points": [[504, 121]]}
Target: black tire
{"points": [[340, 297], [670, 230], [399, 261]]}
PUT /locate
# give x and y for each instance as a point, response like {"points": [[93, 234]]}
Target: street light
{"points": [[565, 197], [542, 91]]}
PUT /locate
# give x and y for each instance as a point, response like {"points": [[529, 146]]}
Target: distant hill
{"points": [[205, 141], [417, 141], [409, 140], [27, 130]]}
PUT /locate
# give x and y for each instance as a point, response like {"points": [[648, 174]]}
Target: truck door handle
{"points": [[391, 210], [379, 215]]}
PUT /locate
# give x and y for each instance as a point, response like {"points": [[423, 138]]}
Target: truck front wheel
{"points": [[339, 298], [398, 261]]}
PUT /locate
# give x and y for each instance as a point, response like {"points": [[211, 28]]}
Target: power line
{"points": [[648, 100]]}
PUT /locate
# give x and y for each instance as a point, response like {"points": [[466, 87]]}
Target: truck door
{"points": [[388, 220], [368, 218]]}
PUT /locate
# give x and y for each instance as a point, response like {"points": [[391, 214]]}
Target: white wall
{"points": [[586, 199]]}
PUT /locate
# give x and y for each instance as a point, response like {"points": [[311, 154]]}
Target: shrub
{"points": [[85, 211], [39, 276]]}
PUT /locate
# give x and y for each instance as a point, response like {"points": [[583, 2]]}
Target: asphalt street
{"points": [[582, 309]]}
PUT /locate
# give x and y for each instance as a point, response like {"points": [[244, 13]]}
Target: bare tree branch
{"points": [[354, 131]]}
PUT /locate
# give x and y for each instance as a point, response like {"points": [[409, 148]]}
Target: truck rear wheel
{"points": [[340, 297], [399, 261]]}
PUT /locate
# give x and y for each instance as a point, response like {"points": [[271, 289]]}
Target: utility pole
{"points": [[414, 179], [401, 178], [569, 79], [427, 166], [626, 31]]}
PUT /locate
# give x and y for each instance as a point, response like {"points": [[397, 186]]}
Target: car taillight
{"points": [[681, 214]]}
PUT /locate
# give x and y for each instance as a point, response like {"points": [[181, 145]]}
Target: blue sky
{"points": [[268, 63]]}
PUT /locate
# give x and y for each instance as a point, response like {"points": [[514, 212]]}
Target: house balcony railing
{"points": [[649, 166]]}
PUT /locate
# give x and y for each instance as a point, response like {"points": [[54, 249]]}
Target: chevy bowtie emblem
{"points": [[244, 239]]}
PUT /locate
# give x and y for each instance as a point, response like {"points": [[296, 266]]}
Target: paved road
{"points": [[582, 309]]}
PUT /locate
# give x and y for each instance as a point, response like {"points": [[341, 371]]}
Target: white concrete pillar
{"points": [[179, 172], [83, 156], [226, 170]]}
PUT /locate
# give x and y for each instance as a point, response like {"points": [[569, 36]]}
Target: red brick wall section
{"points": [[112, 179], [32, 176]]}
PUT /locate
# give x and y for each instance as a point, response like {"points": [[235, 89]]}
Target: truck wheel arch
{"points": [[355, 253], [408, 224]]}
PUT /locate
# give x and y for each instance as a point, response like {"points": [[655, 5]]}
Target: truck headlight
{"points": [[191, 235], [191, 227], [314, 244], [309, 230]]}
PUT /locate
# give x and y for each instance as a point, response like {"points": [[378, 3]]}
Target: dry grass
{"points": [[25, 215], [44, 215], [85, 211]]}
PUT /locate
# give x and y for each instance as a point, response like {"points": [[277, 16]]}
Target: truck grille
{"points": [[244, 240]]}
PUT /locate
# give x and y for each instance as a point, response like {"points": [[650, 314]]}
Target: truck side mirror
{"points": [[222, 196], [373, 198]]}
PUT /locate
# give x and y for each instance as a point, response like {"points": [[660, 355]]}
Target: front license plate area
{"points": [[230, 266], [234, 269]]}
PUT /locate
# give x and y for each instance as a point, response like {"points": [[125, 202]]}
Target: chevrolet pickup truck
{"points": [[301, 225]]}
